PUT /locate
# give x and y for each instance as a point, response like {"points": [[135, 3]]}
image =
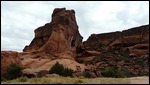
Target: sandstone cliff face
{"points": [[124, 39], [140, 33], [59, 37], [128, 50]]}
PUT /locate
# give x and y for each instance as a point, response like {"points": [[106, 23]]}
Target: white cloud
{"points": [[19, 19]]}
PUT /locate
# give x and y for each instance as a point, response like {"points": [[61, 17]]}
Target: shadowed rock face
{"points": [[59, 37], [128, 50], [124, 41], [126, 38]]}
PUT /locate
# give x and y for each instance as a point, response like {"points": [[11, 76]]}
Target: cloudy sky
{"points": [[20, 19]]}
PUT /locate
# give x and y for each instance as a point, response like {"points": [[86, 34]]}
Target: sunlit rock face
{"points": [[60, 37]]}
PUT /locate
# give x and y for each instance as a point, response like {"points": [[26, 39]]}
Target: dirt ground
{"points": [[139, 80]]}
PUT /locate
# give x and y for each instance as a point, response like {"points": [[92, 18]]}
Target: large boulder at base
{"points": [[34, 72], [52, 75]]}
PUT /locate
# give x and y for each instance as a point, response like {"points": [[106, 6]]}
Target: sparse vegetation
{"points": [[23, 79], [13, 71], [125, 55], [139, 61], [109, 72], [67, 72], [61, 70], [68, 80], [123, 73], [112, 72], [87, 75]]}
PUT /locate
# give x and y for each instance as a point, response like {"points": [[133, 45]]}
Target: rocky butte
{"points": [[54, 42], [126, 52], [60, 37]]}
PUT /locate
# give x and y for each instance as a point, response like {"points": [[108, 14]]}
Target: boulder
{"points": [[52, 75], [89, 74], [34, 72], [98, 73]]}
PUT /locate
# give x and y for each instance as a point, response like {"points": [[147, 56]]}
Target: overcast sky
{"points": [[20, 19]]}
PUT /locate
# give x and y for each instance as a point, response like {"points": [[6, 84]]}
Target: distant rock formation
{"points": [[60, 37], [127, 50], [125, 39]]}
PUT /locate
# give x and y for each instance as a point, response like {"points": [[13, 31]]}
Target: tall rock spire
{"points": [[60, 37]]}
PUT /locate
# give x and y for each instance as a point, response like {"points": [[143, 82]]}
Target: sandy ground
{"points": [[139, 80]]}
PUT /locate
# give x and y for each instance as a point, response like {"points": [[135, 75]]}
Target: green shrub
{"points": [[109, 72], [126, 55], [123, 73], [60, 70], [57, 68], [87, 75], [139, 61], [67, 72], [112, 72], [13, 71]]}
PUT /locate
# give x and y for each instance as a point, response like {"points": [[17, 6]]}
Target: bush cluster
{"points": [[87, 75], [61, 70], [112, 72], [13, 71]]}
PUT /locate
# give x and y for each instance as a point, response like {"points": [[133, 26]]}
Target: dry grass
{"points": [[68, 80]]}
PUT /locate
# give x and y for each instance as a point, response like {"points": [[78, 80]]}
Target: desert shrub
{"points": [[13, 71], [57, 68], [61, 70], [112, 72], [87, 75], [123, 73], [23, 79], [139, 61], [109, 72], [67, 72], [125, 55]]}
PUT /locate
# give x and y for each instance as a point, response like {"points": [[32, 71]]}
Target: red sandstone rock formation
{"points": [[125, 39], [60, 37], [128, 50], [141, 32]]}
